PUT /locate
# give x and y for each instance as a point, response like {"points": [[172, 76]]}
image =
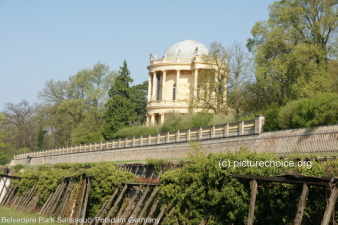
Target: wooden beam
{"points": [[290, 179], [252, 203], [330, 206], [301, 205]]}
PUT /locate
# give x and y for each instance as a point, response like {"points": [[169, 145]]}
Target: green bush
{"points": [[135, 131], [105, 178], [18, 167], [271, 120], [177, 121], [202, 189], [317, 111]]}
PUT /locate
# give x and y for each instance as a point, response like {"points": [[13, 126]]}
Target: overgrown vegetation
{"points": [[105, 178], [305, 112], [202, 190]]}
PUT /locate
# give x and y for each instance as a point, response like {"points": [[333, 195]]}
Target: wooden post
{"points": [[330, 206], [141, 140], [150, 199], [301, 205], [112, 210], [252, 203]]}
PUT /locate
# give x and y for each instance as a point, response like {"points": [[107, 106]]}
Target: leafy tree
{"points": [[20, 125], [120, 110], [3, 156], [212, 81], [239, 67], [139, 95], [292, 49]]}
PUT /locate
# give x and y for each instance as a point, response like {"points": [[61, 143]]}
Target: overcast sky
{"points": [[44, 39]]}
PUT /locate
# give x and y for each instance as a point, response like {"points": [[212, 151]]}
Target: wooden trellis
{"points": [[291, 179]]}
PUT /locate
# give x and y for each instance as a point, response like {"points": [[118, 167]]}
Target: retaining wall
{"points": [[305, 140]]}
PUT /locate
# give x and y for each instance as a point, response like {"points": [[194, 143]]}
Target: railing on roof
{"points": [[202, 133]]}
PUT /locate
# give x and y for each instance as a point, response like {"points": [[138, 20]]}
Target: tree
{"points": [[54, 91], [20, 125], [239, 77], [3, 156], [119, 109], [139, 95], [212, 88], [73, 109], [292, 49]]}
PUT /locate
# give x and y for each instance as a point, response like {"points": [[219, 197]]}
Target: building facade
{"points": [[173, 80]]}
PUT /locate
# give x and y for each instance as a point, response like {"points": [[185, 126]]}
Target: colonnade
{"points": [[154, 86], [158, 91]]}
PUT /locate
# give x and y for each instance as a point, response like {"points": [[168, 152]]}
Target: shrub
{"points": [[135, 131], [317, 111], [271, 120]]}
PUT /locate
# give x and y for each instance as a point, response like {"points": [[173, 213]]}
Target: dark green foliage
{"points": [[120, 110], [271, 120], [202, 190], [139, 98], [18, 167], [310, 112], [41, 137], [105, 178]]}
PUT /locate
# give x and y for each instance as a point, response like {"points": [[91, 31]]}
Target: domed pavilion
{"points": [[173, 80]]}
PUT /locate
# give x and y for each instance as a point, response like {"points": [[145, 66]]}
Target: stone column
{"points": [[162, 118], [148, 120], [154, 86], [152, 119], [195, 83], [164, 78], [149, 88], [178, 73]]}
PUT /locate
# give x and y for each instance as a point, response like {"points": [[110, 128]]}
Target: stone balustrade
{"points": [[249, 127]]}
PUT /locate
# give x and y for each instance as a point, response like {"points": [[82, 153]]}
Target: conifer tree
{"points": [[119, 109]]}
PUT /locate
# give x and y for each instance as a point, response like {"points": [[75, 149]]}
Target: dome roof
{"points": [[186, 49]]}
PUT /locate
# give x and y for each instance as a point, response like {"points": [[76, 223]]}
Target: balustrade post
{"points": [[212, 131], [141, 140], [133, 142], [107, 145], [126, 142], [200, 133], [158, 138], [241, 128], [167, 137], [113, 144], [259, 122], [188, 134], [177, 139], [119, 142], [149, 139], [226, 130]]}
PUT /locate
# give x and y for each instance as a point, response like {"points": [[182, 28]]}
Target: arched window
{"points": [[174, 92]]}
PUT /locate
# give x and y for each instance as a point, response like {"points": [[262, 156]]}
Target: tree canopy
{"points": [[119, 109], [292, 49]]}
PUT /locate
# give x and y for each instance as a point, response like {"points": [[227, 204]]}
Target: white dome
{"points": [[186, 49]]}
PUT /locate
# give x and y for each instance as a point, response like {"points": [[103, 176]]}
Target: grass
{"points": [[12, 217]]}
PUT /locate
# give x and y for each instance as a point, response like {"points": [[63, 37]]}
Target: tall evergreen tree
{"points": [[119, 109]]}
